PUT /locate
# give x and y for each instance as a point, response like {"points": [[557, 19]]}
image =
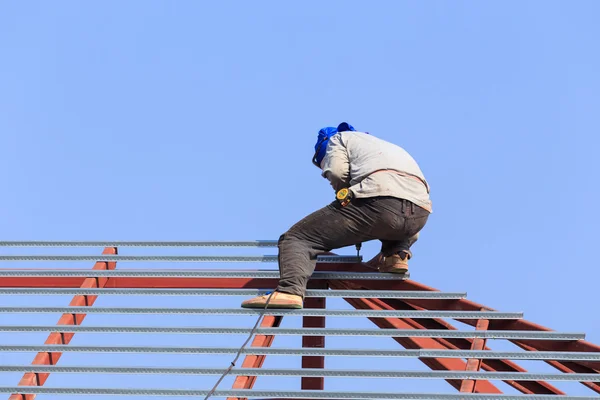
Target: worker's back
{"points": [[381, 168]]}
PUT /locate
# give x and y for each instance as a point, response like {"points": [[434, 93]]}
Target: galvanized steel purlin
{"points": [[313, 372], [252, 243], [242, 311], [484, 354], [517, 335], [304, 394], [197, 259], [172, 273], [386, 294]]}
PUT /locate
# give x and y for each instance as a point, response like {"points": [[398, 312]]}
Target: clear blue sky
{"points": [[156, 120]]}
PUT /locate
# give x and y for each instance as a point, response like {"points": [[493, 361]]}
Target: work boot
{"points": [[395, 264], [278, 300]]}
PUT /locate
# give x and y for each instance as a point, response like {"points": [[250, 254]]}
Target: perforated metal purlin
{"points": [[383, 294], [173, 273], [484, 354], [304, 394], [522, 376], [241, 311], [524, 335]]}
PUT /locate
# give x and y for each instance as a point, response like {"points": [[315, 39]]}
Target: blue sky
{"points": [[191, 120]]}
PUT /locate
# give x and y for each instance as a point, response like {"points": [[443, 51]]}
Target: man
{"points": [[388, 199]]}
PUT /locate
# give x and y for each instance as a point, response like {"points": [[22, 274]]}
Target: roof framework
{"points": [[446, 332]]}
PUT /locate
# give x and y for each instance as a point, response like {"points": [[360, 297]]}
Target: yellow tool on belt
{"points": [[344, 196]]}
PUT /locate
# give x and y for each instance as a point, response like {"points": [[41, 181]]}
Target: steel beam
{"points": [[529, 387], [46, 358], [304, 394], [240, 311], [569, 368], [312, 383], [381, 294], [187, 273], [256, 360], [224, 282], [301, 331], [474, 364], [43, 243], [414, 342], [306, 372], [192, 259], [468, 305], [454, 352], [434, 363]]}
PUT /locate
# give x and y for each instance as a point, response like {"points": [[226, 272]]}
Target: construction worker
{"points": [[381, 194]]}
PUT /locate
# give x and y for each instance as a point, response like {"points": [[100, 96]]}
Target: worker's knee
{"points": [[287, 238]]}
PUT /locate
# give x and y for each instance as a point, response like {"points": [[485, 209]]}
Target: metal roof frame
{"points": [[412, 314]]}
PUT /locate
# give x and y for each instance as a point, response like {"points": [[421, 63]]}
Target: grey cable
{"points": [[239, 353]]}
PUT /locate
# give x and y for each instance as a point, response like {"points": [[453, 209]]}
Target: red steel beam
{"points": [[474, 364], [51, 358], [447, 364], [467, 305], [569, 368], [530, 387], [138, 283], [524, 325], [172, 283], [527, 387], [256, 361], [314, 383]]}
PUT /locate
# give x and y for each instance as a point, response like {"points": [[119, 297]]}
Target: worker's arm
{"points": [[336, 165]]}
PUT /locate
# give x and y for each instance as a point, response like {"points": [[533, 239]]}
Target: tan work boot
{"points": [[395, 264], [278, 300]]}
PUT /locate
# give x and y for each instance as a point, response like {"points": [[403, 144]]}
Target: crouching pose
{"points": [[381, 195]]}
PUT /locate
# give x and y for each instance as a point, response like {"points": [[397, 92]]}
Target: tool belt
{"points": [[344, 196]]}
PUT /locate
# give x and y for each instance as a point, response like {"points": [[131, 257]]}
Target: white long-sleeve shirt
{"points": [[370, 167]]}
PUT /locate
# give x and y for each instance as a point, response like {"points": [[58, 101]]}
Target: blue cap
{"points": [[323, 139], [344, 126]]}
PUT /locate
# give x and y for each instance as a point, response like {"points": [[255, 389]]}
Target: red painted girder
{"points": [[474, 364], [314, 383], [415, 343], [467, 305], [256, 361], [171, 283], [38, 379], [527, 387], [569, 368], [143, 283]]}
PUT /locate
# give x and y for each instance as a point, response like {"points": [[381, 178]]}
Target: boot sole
{"points": [[274, 306], [392, 270]]}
